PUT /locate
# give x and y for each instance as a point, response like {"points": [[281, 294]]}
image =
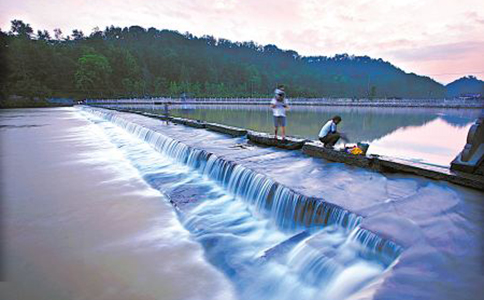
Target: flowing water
{"points": [[253, 229], [258, 214], [428, 135], [439, 224], [78, 221]]}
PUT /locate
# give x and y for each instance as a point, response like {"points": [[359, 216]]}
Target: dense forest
{"points": [[139, 62]]}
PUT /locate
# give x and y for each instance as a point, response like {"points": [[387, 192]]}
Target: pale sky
{"points": [[443, 39]]}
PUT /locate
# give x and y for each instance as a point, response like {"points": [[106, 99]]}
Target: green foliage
{"points": [[373, 92], [23, 102], [4, 69], [135, 62], [20, 29], [93, 74], [26, 76]]}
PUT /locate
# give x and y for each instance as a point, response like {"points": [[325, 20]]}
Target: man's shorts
{"points": [[279, 121]]}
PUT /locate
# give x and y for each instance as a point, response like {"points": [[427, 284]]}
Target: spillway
{"points": [[272, 242]]}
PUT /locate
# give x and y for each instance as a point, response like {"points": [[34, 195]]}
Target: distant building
{"points": [[470, 96]]}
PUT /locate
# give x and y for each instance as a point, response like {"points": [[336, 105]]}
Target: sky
{"points": [[442, 39]]}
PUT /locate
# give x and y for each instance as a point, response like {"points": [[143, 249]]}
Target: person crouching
{"points": [[329, 135]]}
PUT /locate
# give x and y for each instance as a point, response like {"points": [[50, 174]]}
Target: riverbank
{"points": [[23, 102]]}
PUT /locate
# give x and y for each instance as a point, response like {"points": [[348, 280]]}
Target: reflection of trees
{"points": [[459, 119], [360, 123]]}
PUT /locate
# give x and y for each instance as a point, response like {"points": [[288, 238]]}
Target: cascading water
{"points": [[272, 242]]}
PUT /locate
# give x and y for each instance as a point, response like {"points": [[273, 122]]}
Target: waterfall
{"points": [[376, 247], [289, 210], [300, 248]]}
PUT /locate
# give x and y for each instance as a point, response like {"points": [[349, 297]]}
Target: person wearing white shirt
{"points": [[279, 105], [328, 134]]}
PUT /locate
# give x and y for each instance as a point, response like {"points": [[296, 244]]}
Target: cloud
{"points": [[474, 16], [439, 52]]}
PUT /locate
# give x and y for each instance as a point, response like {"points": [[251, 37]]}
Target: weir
{"points": [[273, 242], [380, 163]]}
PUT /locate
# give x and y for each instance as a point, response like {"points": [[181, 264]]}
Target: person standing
{"points": [[166, 111], [328, 135], [279, 105]]}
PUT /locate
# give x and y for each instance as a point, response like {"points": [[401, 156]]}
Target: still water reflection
{"points": [[429, 135]]}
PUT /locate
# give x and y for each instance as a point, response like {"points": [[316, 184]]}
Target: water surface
{"points": [[428, 135], [95, 221], [438, 223], [265, 252], [79, 222]]}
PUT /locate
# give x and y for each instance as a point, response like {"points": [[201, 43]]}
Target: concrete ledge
{"points": [[155, 116], [395, 165], [178, 120], [230, 130], [317, 150], [390, 164], [269, 140], [148, 114], [195, 123], [188, 122]]}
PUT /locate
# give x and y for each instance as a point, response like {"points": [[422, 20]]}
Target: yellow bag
{"points": [[356, 151]]}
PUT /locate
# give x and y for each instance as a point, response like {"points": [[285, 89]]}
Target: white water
{"points": [[78, 222], [228, 212]]}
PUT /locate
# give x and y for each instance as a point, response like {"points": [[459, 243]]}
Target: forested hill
{"points": [[470, 86], [137, 62]]}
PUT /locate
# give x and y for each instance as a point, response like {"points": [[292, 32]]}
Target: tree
{"points": [[92, 76], [77, 35], [20, 29], [134, 61], [4, 67], [58, 34], [31, 88], [43, 35], [373, 92]]}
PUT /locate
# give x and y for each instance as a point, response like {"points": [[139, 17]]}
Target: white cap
{"points": [[279, 92]]}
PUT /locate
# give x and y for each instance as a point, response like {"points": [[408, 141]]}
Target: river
{"points": [[79, 222], [427, 135], [107, 205]]}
